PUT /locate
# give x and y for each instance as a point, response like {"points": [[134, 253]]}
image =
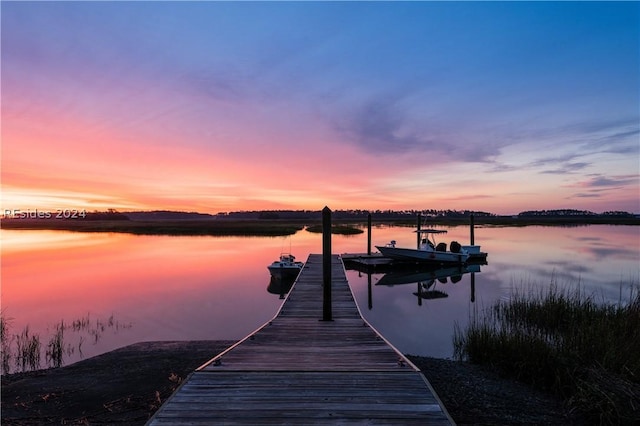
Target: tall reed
{"points": [[566, 342], [25, 350], [5, 344], [28, 350], [55, 347]]}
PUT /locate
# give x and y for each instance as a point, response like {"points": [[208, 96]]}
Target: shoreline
{"points": [[277, 227], [127, 385]]}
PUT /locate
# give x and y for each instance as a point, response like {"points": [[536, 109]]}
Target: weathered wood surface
{"points": [[297, 369]]}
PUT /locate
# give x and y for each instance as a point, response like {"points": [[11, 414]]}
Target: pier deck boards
{"points": [[297, 369]]}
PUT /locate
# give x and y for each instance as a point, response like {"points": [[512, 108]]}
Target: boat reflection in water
{"points": [[280, 285], [427, 279]]}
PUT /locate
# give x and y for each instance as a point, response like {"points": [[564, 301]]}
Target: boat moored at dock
{"points": [[285, 267], [428, 251]]}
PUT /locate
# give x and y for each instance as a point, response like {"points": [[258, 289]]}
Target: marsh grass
{"points": [[5, 343], [163, 227], [566, 342], [336, 229], [56, 347], [26, 349]]}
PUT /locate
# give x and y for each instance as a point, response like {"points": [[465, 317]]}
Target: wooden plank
{"points": [[298, 369]]}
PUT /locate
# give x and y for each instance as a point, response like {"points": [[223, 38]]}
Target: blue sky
{"points": [[496, 106]]}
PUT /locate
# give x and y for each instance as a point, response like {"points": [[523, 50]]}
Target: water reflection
{"points": [[280, 285], [427, 275], [428, 283], [208, 288], [25, 350]]}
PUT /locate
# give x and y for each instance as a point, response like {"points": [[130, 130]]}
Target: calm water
{"points": [[121, 289]]}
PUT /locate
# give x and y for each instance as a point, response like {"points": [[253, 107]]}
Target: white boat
{"points": [[428, 251], [286, 266]]}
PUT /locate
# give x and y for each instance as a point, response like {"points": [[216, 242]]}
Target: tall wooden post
{"points": [[326, 264], [471, 230], [418, 225], [369, 234]]}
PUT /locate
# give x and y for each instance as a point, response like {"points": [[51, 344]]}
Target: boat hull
{"points": [[424, 256], [284, 271]]}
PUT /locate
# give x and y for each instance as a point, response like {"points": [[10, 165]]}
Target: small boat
{"points": [[286, 266], [428, 251]]}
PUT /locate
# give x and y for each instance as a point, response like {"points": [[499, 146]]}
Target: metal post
{"points": [[369, 234], [326, 264]]}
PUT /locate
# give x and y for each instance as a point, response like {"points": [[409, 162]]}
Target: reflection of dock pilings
{"points": [[473, 287], [369, 292], [425, 278]]}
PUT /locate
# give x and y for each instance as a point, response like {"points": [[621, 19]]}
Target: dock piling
{"points": [[471, 230], [326, 264], [418, 235], [369, 234]]}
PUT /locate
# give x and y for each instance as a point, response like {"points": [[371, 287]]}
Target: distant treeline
{"points": [[574, 213], [288, 222], [412, 214], [110, 214], [339, 215], [352, 214]]}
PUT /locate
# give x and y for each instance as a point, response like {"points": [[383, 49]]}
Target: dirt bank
{"points": [[127, 385]]}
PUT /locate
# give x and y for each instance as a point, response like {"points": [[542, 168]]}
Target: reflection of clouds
{"points": [[568, 266], [604, 252], [600, 248], [565, 275], [588, 239]]}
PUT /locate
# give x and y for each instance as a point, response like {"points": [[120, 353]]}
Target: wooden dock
{"points": [[297, 369]]}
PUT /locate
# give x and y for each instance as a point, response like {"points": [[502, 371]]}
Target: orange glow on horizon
{"points": [[66, 161]]}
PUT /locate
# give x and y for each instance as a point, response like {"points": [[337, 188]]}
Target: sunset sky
{"points": [[219, 106]]}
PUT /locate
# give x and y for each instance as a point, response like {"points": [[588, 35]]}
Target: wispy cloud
{"points": [[599, 186], [599, 181], [567, 168], [378, 124], [389, 125]]}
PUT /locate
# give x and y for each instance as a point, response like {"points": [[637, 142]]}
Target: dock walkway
{"points": [[296, 369]]}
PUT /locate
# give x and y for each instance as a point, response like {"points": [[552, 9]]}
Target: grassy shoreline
{"points": [[160, 227], [275, 227], [566, 342]]}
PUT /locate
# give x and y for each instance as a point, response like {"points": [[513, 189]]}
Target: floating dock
{"points": [[298, 369]]}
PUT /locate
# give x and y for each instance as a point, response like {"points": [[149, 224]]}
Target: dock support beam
{"points": [[418, 234], [326, 265], [471, 230], [369, 234]]}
